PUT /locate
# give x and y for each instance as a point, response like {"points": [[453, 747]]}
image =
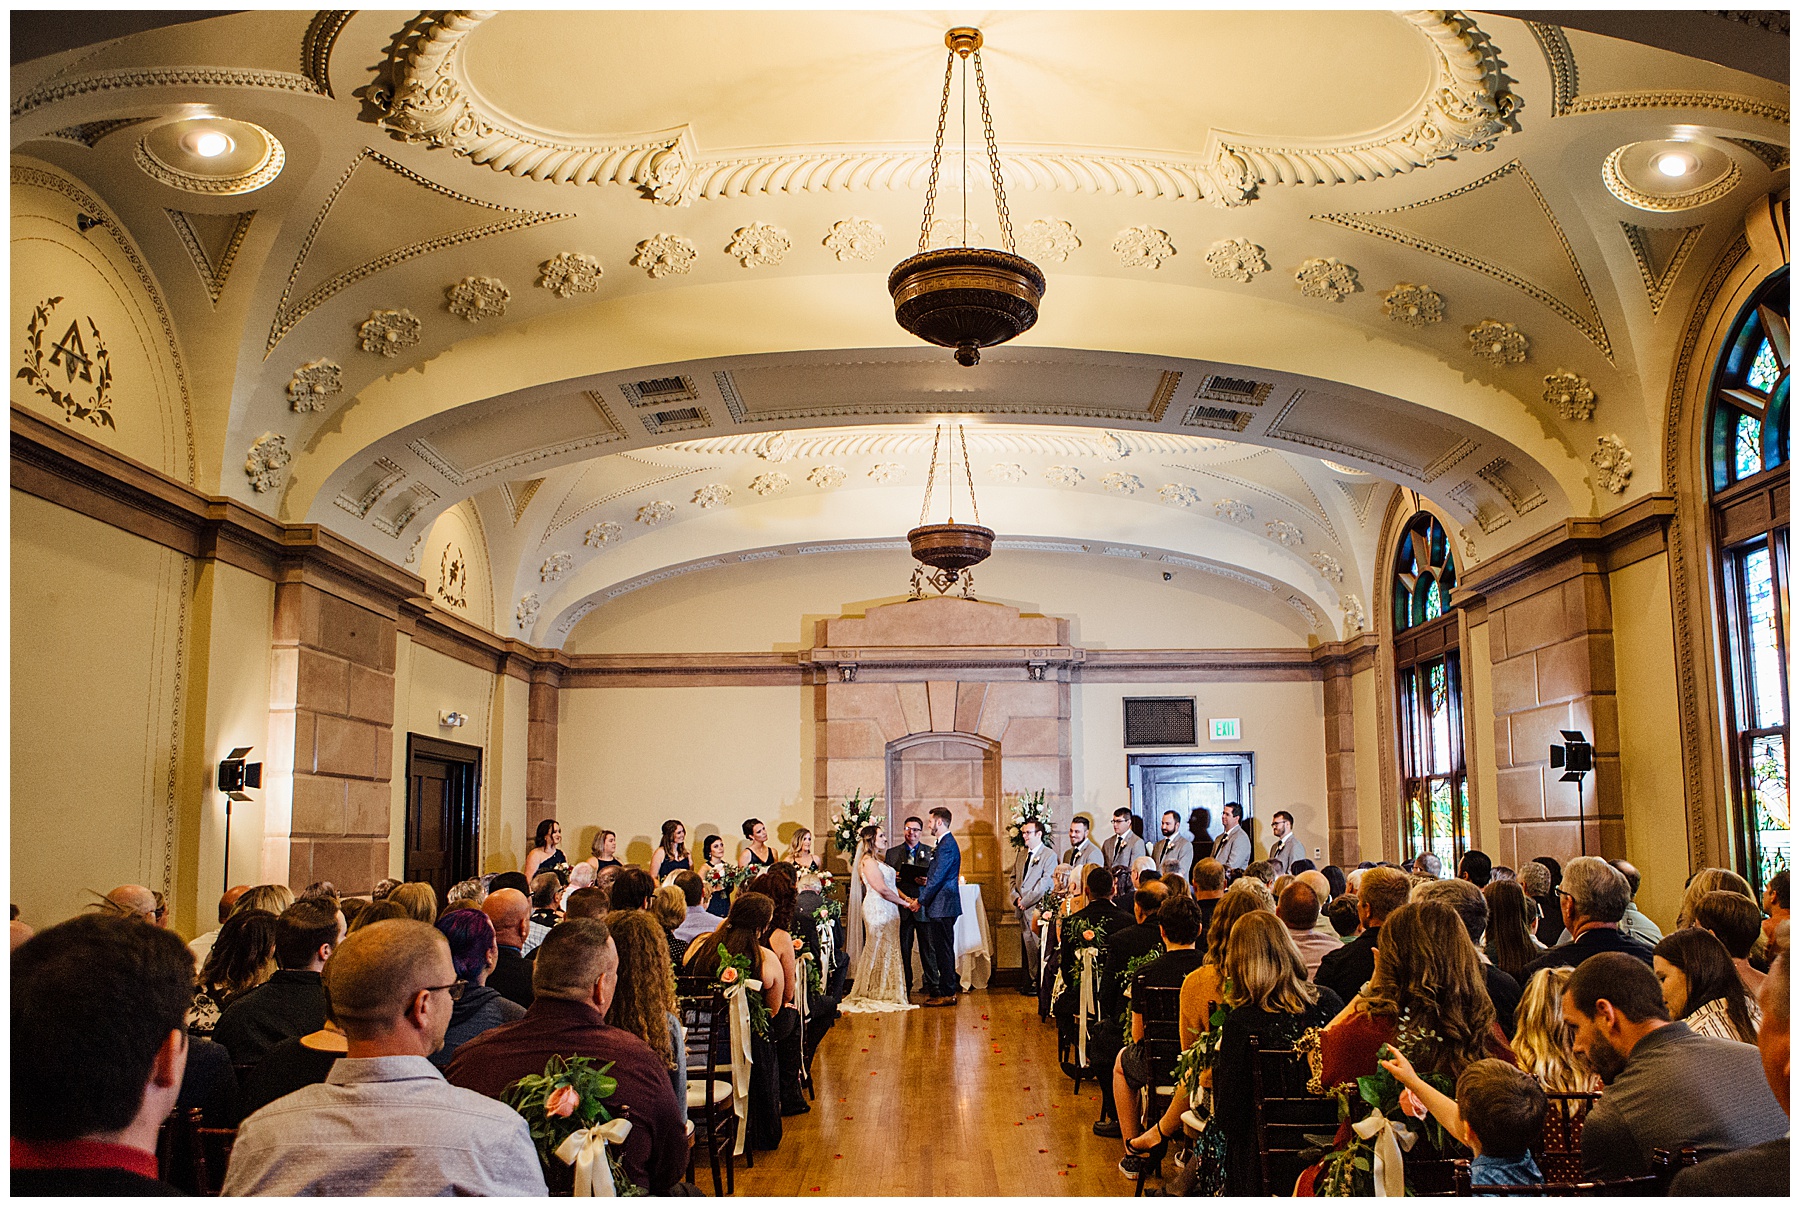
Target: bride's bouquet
{"points": [[1027, 807], [847, 826]]}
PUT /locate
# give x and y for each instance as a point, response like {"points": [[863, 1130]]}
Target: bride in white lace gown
{"points": [[879, 973]]}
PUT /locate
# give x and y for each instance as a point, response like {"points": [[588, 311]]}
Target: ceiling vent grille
{"points": [[1220, 388], [1219, 417], [658, 423], [1160, 721], [658, 390]]}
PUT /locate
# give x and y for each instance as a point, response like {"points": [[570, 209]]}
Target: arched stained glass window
{"points": [[1749, 454], [1424, 573], [1434, 803]]}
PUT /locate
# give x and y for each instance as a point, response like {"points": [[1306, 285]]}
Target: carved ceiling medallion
{"points": [[314, 382], [1498, 343], [477, 298], [569, 273]]}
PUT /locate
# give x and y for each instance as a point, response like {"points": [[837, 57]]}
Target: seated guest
{"points": [[741, 936], [1634, 923], [510, 915], [1593, 898], [1345, 971], [1498, 1112], [419, 900], [1129, 943], [1709, 880], [1476, 868], [98, 1050], [546, 891], [1539, 884], [200, 945], [534, 931], [576, 977], [1775, 905], [1298, 908], [1761, 1169], [668, 905], [1735, 921], [1262, 870], [644, 997], [475, 952], [698, 916], [465, 894], [383, 887], [1269, 997], [1463, 897], [587, 903], [631, 888], [294, 1064], [1102, 918], [784, 1023], [1701, 988], [1540, 1039], [1666, 1087], [136, 901], [1140, 865], [1209, 886], [292, 1001], [1344, 914], [581, 877], [240, 957], [378, 911], [1179, 921], [385, 1122], [1508, 942]]}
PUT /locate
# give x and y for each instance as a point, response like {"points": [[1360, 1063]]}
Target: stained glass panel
{"points": [[1747, 446], [1766, 694], [1764, 370], [1769, 794], [1434, 602]]}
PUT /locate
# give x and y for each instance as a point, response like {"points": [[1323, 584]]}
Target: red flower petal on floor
{"points": [[1062, 1173], [1043, 1150], [837, 1156], [1028, 1087], [1018, 1125], [815, 1190]]}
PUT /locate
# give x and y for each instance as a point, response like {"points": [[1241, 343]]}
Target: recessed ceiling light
{"points": [[207, 144], [1675, 163]]}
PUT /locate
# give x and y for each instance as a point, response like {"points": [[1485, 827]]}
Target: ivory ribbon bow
{"points": [[802, 1001], [586, 1151], [827, 948], [1391, 1137], [741, 1058], [1089, 957]]}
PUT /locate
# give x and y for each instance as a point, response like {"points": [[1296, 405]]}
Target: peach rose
{"points": [[1411, 1104], [1087, 936], [729, 976], [562, 1102]]}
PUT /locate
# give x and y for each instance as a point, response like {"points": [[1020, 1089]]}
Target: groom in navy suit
{"points": [[940, 904]]}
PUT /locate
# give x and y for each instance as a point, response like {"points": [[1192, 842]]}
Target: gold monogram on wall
{"points": [[453, 578], [69, 355]]}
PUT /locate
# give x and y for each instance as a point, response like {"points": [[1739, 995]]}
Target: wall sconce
{"points": [[235, 775]]}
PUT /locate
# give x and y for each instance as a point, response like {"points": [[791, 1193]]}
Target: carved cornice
{"points": [[315, 49], [1566, 99], [422, 96], [1614, 540], [163, 77]]}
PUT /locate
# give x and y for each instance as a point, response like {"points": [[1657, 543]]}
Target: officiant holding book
{"points": [[910, 859]]}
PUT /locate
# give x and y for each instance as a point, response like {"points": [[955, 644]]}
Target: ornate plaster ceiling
{"points": [[494, 240]]}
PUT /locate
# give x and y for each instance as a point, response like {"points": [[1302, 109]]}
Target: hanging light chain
{"points": [[931, 477], [969, 473], [937, 152], [987, 122]]}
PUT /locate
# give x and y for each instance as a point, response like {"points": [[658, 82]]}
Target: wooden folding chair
{"points": [[1161, 1007], [708, 1026], [1283, 1113], [1664, 1165]]}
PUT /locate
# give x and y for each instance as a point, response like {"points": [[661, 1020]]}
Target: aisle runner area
{"points": [[963, 1101]]}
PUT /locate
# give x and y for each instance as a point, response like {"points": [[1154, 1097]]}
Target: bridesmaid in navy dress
{"points": [[671, 852]]}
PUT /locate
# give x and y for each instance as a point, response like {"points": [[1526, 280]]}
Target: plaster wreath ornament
{"points": [[1613, 460], [663, 254], [1234, 510], [527, 612], [1355, 619], [1027, 806], [1288, 534], [1064, 475], [1328, 567], [825, 477], [758, 245], [70, 356], [1179, 496], [453, 578], [1048, 240], [1121, 484], [1327, 278], [1143, 247], [1498, 342], [886, 471], [312, 383], [554, 567], [653, 513], [855, 239], [955, 232], [1570, 394], [1414, 305], [602, 534], [1009, 472], [568, 273], [477, 298], [267, 456], [771, 483], [709, 497], [1236, 260], [389, 332]]}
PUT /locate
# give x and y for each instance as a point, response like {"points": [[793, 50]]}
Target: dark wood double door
{"points": [[443, 811]]}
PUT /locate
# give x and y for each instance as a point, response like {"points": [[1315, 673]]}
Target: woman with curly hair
{"points": [[242, 957], [1701, 986], [1428, 999], [1541, 1037], [644, 1002]]}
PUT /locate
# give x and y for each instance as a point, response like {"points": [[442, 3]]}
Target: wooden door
{"points": [[442, 811]]}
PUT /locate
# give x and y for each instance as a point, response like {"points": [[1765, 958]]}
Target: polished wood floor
{"points": [[960, 1101]]}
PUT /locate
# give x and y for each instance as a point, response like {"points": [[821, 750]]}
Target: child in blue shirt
{"points": [[1498, 1113]]}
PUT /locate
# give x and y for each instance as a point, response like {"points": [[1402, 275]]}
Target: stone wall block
{"points": [[1588, 603], [1536, 730], [915, 706], [853, 739], [541, 702], [969, 697], [371, 695], [345, 747], [1034, 774], [1564, 671], [368, 807], [1521, 794], [384, 753], [1033, 736], [1515, 684], [1598, 717], [349, 863], [284, 675], [941, 695], [876, 702], [319, 805], [951, 778], [1537, 621], [844, 776], [300, 862], [1502, 742], [342, 628], [1561, 840], [540, 780], [323, 683]]}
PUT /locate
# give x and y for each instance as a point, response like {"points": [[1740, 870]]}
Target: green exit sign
{"points": [[1224, 729]]}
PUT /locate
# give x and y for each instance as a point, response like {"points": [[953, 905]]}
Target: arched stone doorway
{"points": [[961, 772]]}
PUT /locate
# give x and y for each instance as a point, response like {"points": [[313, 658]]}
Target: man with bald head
{"points": [[510, 912], [575, 975], [385, 1122], [136, 901], [201, 946]]}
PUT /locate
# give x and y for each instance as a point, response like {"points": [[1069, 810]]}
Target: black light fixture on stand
{"points": [[235, 775], [1576, 758], [967, 298]]}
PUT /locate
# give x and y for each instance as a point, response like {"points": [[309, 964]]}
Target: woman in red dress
{"points": [[1429, 1000]]}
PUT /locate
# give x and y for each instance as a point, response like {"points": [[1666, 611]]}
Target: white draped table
{"points": [[974, 945]]}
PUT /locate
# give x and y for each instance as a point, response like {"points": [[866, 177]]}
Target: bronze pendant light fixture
{"points": [[966, 298], [950, 549]]}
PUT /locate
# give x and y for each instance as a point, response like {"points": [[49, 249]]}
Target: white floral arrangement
{"points": [[846, 827], [1027, 807]]}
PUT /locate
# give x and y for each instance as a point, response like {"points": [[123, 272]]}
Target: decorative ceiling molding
{"points": [[89, 133], [1774, 156], [321, 37], [225, 233], [810, 446], [1150, 412], [518, 496], [1659, 278], [162, 77], [1590, 324], [421, 95], [1613, 176], [289, 313], [564, 519], [1566, 100]]}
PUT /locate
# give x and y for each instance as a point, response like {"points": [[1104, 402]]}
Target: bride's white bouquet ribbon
{"points": [[586, 1151], [1391, 1137], [738, 996], [1090, 959]]}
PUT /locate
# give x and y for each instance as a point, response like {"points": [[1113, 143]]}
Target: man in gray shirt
{"points": [[385, 1122], [1666, 1087]]}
